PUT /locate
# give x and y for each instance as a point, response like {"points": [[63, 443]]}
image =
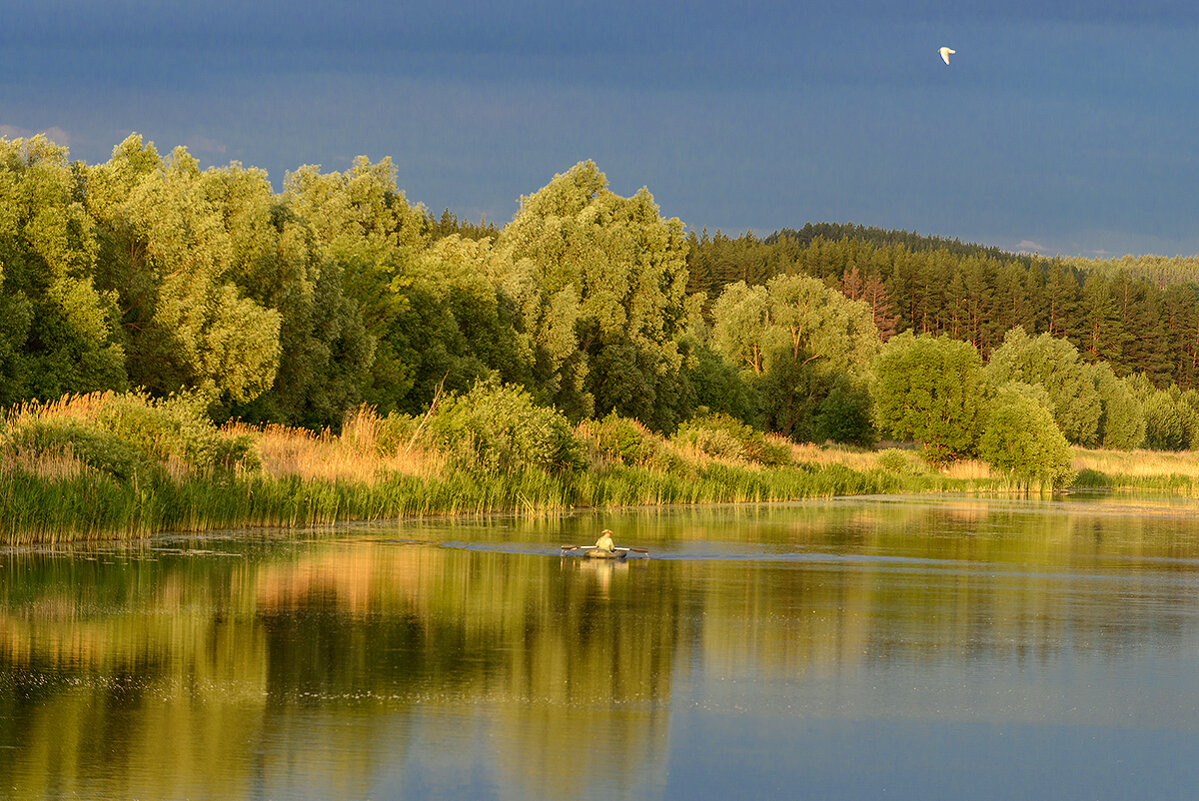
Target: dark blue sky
{"points": [[1062, 126]]}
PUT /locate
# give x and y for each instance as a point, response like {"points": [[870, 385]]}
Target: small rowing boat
{"points": [[600, 553], [604, 548], [593, 552]]}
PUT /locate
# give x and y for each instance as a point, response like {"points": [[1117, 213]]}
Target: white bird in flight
{"points": [[945, 51]]}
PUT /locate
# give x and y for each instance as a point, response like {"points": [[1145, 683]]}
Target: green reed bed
{"points": [[95, 506], [1170, 484], [723, 483], [77, 507]]}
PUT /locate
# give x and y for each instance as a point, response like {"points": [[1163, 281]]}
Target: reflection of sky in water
{"points": [[883, 648], [781, 758]]}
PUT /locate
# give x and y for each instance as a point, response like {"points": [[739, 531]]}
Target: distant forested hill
{"points": [[1141, 314], [1161, 270], [886, 237]]}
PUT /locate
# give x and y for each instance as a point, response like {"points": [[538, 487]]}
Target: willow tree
{"points": [[810, 349], [600, 282], [1122, 420], [1020, 438], [1055, 365], [57, 328], [373, 236], [742, 329], [932, 390], [459, 327], [168, 256], [279, 261]]}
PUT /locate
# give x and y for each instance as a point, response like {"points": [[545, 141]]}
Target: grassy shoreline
{"points": [[120, 467], [92, 506]]}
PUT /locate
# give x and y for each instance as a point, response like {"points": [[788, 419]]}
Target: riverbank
{"points": [[119, 466], [88, 504]]}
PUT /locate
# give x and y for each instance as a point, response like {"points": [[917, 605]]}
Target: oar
{"points": [[636, 550], [592, 548]]}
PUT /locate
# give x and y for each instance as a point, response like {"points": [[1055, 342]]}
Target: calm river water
{"points": [[900, 648]]}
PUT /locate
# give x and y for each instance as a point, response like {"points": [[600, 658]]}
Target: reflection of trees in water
{"points": [[305, 668], [588, 690], [195, 665], [968, 579], [122, 675]]}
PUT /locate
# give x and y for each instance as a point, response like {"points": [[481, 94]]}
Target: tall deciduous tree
{"points": [[600, 280], [280, 263], [1053, 364], [1122, 422], [57, 328], [374, 237], [803, 341], [1021, 438], [169, 257], [1171, 423], [459, 326], [741, 324], [932, 390]]}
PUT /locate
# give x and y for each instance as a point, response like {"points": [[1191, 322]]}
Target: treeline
{"points": [[1140, 315], [147, 273]]}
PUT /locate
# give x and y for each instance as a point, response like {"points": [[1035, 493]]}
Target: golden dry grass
{"points": [[352, 456], [698, 457], [1140, 463], [825, 455], [70, 407], [967, 469], [864, 460], [53, 466]]}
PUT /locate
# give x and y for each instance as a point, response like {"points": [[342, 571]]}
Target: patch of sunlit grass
{"points": [[68, 407], [967, 469], [351, 456], [1138, 463]]}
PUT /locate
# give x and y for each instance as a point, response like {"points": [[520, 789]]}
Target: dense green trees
{"points": [[57, 327], [367, 228], [1140, 315], [169, 257], [146, 271], [806, 348], [1171, 415], [295, 307], [1121, 423], [1052, 364]]}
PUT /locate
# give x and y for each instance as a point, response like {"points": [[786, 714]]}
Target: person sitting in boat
{"points": [[604, 543]]}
